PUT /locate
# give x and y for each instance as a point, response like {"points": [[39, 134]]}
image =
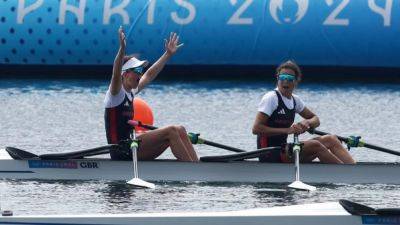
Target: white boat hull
{"points": [[171, 170], [310, 214]]}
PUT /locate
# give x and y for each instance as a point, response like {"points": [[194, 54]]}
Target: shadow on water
{"points": [[32, 84], [263, 194], [196, 196], [261, 191], [209, 72], [100, 86]]}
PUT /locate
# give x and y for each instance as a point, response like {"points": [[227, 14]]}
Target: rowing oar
{"points": [[356, 142], [194, 138], [16, 153], [238, 156], [297, 184], [136, 181]]}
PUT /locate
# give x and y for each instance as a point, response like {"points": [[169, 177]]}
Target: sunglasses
{"points": [[138, 70], [285, 76]]}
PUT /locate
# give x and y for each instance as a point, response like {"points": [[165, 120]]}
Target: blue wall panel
{"points": [[238, 32]]}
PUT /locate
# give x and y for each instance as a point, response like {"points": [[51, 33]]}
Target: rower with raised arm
{"points": [[129, 78], [275, 121]]}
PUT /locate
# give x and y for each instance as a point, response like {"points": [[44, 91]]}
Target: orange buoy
{"points": [[142, 113]]}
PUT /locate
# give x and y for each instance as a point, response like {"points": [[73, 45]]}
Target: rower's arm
{"points": [[116, 80], [153, 71], [310, 118], [171, 46], [259, 126]]}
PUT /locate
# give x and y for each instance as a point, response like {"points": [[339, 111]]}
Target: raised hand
{"points": [[122, 41], [171, 45]]}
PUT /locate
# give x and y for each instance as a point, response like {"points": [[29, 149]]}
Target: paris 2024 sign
{"points": [[214, 32]]}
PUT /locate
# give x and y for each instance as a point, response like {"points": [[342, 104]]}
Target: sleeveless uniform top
{"points": [[282, 117], [116, 118]]}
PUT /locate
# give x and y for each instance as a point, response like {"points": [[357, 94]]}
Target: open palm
{"points": [[171, 45]]}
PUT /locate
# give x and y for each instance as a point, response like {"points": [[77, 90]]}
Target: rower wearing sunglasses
{"points": [[275, 121], [129, 78]]}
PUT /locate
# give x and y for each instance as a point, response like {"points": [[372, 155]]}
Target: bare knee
{"points": [[314, 144], [182, 132], [315, 147], [172, 132], [331, 139], [181, 129]]}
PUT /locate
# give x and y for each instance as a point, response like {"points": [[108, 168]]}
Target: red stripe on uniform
{"points": [[263, 142], [113, 126]]}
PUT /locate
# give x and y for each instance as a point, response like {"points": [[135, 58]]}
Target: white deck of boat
{"points": [[330, 213], [315, 209]]}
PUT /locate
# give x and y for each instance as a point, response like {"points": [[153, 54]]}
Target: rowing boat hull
{"points": [[309, 214], [171, 220], [171, 170]]}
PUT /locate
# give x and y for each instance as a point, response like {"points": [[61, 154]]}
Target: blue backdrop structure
{"points": [[263, 33]]}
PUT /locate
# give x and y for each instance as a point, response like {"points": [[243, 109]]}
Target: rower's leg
{"points": [[155, 142], [314, 149], [333, 144], [189, 146], [150, 147]]}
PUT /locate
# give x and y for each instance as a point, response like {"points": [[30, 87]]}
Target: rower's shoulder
{"points": [[111, 100], [297, 98], [269, 95]]}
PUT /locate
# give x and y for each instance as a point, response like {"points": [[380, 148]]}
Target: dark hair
{"points": [[291, 65], [126, 58]]}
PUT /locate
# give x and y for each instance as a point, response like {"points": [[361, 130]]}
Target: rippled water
{"points": [[57, 116]]}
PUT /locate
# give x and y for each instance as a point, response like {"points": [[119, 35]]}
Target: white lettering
{"points": [[22, 11], [119, 9], [277, 5], [274, 6], [384, 12], [332, 20], [150, 14], [235, 19], [189, 18], [78, 11], [303, 7]]}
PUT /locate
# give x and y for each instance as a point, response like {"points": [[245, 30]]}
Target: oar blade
{"points": [[301, 186], [17, 153], [137, 182], [356, 208]]}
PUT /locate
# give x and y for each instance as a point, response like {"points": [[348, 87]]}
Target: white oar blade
{"points": [[302, 186], [141, 183]]}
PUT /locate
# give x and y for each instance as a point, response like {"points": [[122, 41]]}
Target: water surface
{"points": [[45, 116]]}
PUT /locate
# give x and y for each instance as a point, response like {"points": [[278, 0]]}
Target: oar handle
{"points": [[361, 144], [140, 124], [238, 156], [199, 140], [233, 149], [313, 131]]}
